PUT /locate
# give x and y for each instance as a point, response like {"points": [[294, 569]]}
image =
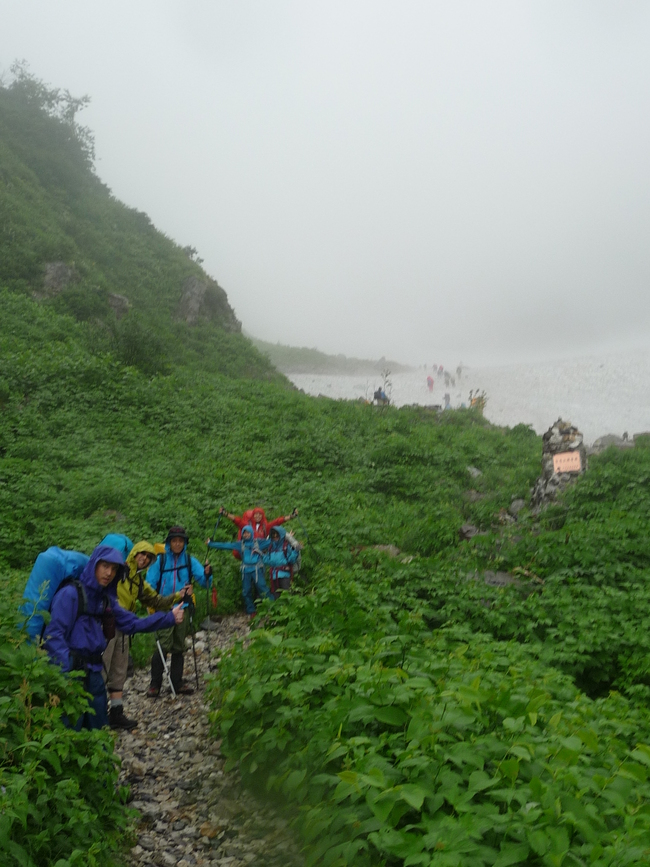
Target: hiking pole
{"points": [[209, 584], [302, 526], [304, 530], [165, 667], [190, 610]]}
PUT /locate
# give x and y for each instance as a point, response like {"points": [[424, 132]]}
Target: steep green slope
{"points": [[67, 241]]}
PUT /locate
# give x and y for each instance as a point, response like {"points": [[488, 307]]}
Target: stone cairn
{"points": [[564, 458]]}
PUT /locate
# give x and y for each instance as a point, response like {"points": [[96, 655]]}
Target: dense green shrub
{"points": [[59, 802]]}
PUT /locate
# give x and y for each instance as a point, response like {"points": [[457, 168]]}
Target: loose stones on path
{"points": [[191, 811]]}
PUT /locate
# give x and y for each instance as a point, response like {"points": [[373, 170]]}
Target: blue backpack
{"points": [[52, 568], [118, 541]]}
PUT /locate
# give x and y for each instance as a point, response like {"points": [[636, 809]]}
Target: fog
{"points": [[426, 181]]}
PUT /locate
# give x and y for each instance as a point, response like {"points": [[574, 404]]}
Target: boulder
{"points": [[119, 304], [564, 458], [205, 300], [57, 277], [516, 506], [608, 440]]}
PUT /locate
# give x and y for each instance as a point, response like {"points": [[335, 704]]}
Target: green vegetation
{"points": [[406, 712], [58, 798], [292, 359], [67, 241]]}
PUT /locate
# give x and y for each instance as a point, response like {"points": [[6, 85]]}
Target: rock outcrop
{"points": [[564, 458], [207, 301], [57, 276], [119, 304]]}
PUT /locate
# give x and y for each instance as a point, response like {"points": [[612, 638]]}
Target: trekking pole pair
{"points": [[165, 667], [207, 594]]}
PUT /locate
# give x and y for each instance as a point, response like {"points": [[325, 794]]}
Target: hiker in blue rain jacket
{"points": [[169, 574], [252, 568], [77, 640], [280, 558]]}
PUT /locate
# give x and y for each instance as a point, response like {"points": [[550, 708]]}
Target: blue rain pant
{"points": [[253, 577], [94, 684]]}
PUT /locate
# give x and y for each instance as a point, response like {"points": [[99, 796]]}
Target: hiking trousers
{"points": [[94, 684], [116, 661], [253, 577]]}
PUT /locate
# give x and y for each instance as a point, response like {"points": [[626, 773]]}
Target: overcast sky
{"points": [[429, 181]]}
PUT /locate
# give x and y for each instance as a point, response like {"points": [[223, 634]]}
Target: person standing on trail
{"points": [[170, 573], [257, 520], [250, 552], [131, 589], [84, 615], [280, 558]]}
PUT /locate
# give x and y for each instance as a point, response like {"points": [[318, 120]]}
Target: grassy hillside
{"points": [[65, 240], [291, 359], [406, 710]]}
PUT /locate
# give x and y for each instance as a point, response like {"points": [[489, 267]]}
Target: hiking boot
{"points": [[153, 691], [118, 720], [252, 616], [184, 689]]}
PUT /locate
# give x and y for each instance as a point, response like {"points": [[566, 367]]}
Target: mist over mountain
{"points": [[68, 243]]}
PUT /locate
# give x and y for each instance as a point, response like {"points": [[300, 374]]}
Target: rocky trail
{"points": [[192, 812]]}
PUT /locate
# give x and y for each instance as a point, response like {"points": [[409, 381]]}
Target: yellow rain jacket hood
{"points": [[134, 588]]}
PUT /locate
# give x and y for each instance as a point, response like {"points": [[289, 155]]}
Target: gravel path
{"points": [[191, 811]]}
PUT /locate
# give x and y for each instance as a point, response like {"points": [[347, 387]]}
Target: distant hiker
{"points": [[430, 383], [281, 559], [131, 589], [170, 573], [250, 552], [447, 401], [381, 398], [84, 616]]}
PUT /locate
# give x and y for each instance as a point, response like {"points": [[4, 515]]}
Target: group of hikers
{"points": [[93, 609]]}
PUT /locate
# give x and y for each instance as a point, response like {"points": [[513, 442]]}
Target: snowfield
{"points": [[608, 394]]}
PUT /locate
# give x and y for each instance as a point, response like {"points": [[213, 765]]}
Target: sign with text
{"points": [[567, 462]]}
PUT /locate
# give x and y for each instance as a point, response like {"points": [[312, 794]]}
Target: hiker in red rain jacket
{"points": [[256, 519]]}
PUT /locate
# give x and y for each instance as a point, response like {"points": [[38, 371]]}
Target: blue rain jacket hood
{"points": [[277, 558], [76, 640], [170, 572], [250, 550]]}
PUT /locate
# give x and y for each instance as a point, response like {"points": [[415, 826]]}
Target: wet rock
{"points": [[468, 531], [516, 506], [119, 304], [497, 579], [391, 550], [564, 458], [608, 440], [205, 300], [57, 277]]}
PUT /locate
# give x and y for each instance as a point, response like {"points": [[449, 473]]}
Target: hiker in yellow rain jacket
{"points": [[132, 589]]}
